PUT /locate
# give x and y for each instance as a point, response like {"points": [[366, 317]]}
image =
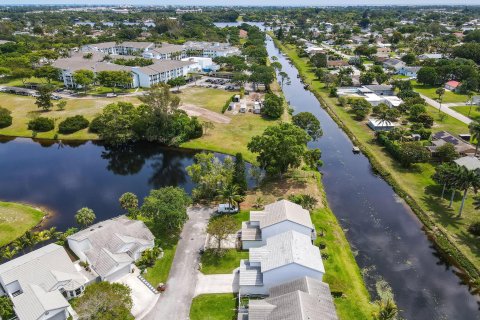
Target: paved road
{"points": [[175, 303], [446, 108]]}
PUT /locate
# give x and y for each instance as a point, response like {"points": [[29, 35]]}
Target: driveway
{"points": [[174, 303], [445, 107], [217, 283], [142, 297]]}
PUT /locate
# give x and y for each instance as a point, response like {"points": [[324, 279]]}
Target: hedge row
{"points": [[227, 104]]}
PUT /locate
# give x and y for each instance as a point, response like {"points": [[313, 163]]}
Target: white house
{"points": [[40, 282], [202, 64], [160, 72], [276, 218], [394, 64], [302, 299], [379, 125], [210, 49], [284, 257], [111, 247], [392, 101]]}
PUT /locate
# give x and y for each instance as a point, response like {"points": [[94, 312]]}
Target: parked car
{"points": [[226, 208], [111, 95]]}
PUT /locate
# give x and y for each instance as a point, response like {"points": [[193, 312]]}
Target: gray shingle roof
{"points": [[250, 232], [301, 299], [249, 276], [39, 274], [284, 210], [286, 248], [469, 162], [109, 238]]}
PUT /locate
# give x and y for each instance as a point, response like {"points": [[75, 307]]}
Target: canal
{"points": [[380, 227]]}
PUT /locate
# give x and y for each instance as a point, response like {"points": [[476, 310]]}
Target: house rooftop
{"points": [[469, 162], [39, 274], [160, 66], [287, 248], [302, 299], [284, 210]]}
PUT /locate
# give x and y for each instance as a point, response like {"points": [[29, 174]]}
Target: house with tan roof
{"points": [[112, 246], [276, 218]]}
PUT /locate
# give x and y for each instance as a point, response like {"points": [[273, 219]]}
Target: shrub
{"points": [[5, 118], [41, 124], [73, 124], [306, 201], [95, 125], [474, 228], [273, 106]]}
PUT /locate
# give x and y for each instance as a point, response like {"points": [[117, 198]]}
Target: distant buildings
{"points": [[182, 11], [441, 138]]}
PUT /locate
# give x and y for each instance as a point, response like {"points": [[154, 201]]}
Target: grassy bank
{"points": [[465, 110], [342, 273], [16, 219], [448, 97], [213, 307], [414, 184]]}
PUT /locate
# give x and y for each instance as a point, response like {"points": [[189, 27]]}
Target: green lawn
{"points": [[474, 114], [226, 263], [214, 307], [208, 98], [415, 182], [16, 219], [159, 272], [24, 109], [232, 137], [429, 91]]}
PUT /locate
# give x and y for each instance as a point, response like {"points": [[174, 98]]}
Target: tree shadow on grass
{"points": [[439, 207]]}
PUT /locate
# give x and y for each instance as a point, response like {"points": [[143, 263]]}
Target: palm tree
{"points": [[474, 128], [387, 310], [231, 194], [470, 96], [442, 175], [466, 180], [476, 202], [440, 92], [7, 253], [453, 181]]}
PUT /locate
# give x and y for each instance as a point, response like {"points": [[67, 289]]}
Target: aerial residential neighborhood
{"points": [[240, 160]]}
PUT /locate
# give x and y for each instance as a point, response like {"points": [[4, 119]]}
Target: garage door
{"points": [[118, 274]]}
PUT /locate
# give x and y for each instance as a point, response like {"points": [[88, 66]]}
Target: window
{"points": [[78, 291]]}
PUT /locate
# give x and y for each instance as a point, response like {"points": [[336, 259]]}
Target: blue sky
{"points": [[250, 2]]}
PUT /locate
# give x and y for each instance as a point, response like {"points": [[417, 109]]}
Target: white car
{"points": [[111, 95], [226, 208]]}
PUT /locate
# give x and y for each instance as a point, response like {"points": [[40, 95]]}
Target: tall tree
{"points": [[239, 174], [467, 179], [280, 147], [85, 217], [221, 227], [48, 72], [44, 98], [474, 128], [308, 122], [104, 301], [167, 207], [84, 78]]}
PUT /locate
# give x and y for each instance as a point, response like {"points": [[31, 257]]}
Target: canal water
{"points": [[380, 227]]}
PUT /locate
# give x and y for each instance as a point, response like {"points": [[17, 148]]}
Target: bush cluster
{"points": [[73, 124], [41, 124], [5, 118]]}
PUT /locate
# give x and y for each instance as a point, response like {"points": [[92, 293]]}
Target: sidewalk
{"points": [[445, 107]]}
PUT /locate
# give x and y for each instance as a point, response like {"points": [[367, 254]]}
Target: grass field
{"points": [[24, 109], [226, 263], [226, 138], [449, 96], [474, 114], [213, 307], [16, 219], [415, 181]]}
